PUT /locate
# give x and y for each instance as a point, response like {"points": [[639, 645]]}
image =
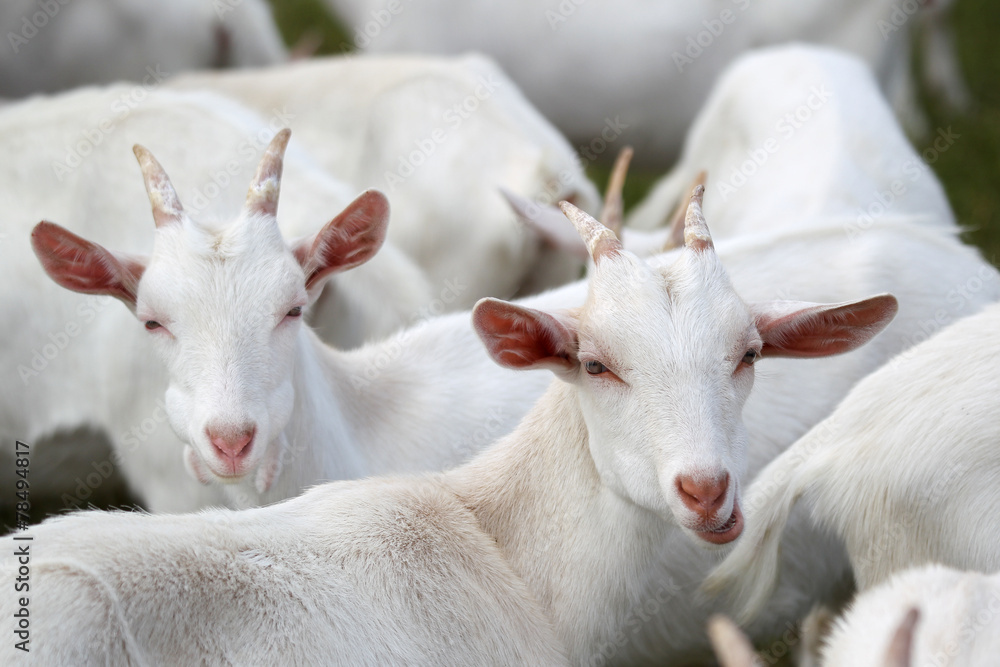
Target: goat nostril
{"points": [[232, 444], [704, 497]]}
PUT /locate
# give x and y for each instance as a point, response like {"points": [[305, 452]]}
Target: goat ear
{"points": [[523, 338], [82, 266], [350, 239], [899, 653], [797, 329], [732, 647], [549, 222]]}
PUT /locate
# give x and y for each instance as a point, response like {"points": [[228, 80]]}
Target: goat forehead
{"points": [[222, 271], [685, 315]]}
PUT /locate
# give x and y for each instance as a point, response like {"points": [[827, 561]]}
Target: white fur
{"points": [[104, 376], [561, 524], [439, 136], [904, 470], [846, 154], [533, 552], [958, 622], [848, 159], [62, 44], [571, 59]]}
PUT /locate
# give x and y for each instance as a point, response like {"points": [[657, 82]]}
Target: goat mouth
{"points": [[229, 477], [227, 473], [728, 531]]}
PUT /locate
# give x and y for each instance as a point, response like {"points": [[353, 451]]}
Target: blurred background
{"points": [[969, 170], [534, 42]]}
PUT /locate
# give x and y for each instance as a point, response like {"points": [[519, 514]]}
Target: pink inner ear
{"points": [[82, 266], [813, 330], [518, 337], [350, 239]]}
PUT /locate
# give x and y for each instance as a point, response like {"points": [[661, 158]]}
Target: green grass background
{"points": [[970, 169]]}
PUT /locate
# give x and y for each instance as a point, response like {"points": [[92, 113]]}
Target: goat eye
{"points": [[595, 367], [152, 325], [295, 312], [750, 357]]}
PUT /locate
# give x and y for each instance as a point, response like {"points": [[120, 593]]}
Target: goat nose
{"points": [[232, 443], [704, 497]]}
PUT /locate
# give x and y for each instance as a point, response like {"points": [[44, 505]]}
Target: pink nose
{"points": [[233, 443], [704, 497]]}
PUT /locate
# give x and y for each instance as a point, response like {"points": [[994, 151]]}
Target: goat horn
{"points": [[167, 207], [696, 234], [262, 197], [600, 240], [614, 205], [676, 237]]}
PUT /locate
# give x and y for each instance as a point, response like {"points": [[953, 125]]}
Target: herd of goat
{"points": [[397, 427]]}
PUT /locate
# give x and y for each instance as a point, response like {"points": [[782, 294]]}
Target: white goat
{"points": [[392, 374], [80, 361], [57, 44], [641, 70], [250, 397], [748, 137], [438, 136], [702, 327], [904, 470], [551, 224], [931, 615], [533, 553], [777, 111]]}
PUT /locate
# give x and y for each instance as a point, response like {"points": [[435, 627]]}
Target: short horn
{"points": [[696, 234], [676, 236], [732, 647], [614, 204], [600, 240], [262, 197], [167, 207]]}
